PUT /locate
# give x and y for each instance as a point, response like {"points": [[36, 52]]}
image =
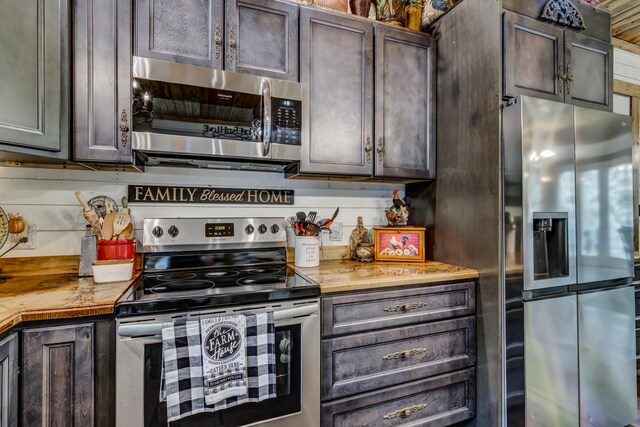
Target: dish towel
{"points": [[223, 358], [183, 375]]}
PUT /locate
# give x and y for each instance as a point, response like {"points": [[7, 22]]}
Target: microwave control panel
{"points": [[286, 116]]}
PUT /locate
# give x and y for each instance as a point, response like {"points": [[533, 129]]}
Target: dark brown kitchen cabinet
{"points": [[102, 81], [34, 76], [186, 32], [336, 70], [396, 356], [257, 37], [262, 38], [589, 63], [533, 58], [362, 122], [546, 61], [58, 376], [9, 381], [404, 104]]}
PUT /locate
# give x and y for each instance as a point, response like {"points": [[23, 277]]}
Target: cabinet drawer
{"points": [[374, 360], [437, 401], [375, 310]]}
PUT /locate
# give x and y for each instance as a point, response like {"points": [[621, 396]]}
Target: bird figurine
{"points": [[392, 217], [397, 201]]}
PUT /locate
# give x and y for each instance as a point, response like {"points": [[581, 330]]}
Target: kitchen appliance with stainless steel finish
{"points": [[207, 267], [570, 315], [184, 115]]}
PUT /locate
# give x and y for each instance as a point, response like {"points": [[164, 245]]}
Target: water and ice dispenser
{"points": [[550, 245]]}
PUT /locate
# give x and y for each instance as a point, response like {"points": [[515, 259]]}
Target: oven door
{"points": [[139, 362], [190, 111]]}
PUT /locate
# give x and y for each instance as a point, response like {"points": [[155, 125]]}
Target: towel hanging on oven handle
{"points": [[150, 329]]}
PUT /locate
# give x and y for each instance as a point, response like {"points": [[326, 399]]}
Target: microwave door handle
{"points": [[266, 125], [151, 329]]}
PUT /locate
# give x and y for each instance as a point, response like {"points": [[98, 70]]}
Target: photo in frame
{"points": [[399, 244]]}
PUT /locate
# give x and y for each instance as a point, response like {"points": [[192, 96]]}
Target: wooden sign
{"points": [[170, 194]]}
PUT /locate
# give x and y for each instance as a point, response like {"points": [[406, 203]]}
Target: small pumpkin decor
{"points": [[17, 225]]}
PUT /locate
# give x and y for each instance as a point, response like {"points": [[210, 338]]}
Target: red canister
{"points": [[116, 249]]}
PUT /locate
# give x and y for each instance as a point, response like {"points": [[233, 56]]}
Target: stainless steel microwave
{"points": [[184, 115]]}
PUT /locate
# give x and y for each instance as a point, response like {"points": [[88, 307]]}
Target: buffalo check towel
{"points": [[183, 375]]}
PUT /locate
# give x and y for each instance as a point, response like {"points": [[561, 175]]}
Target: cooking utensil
{"points": [[107, 224], [120, 222], [302, 217], [311, 229], [90, 214], [328, 222], [312, 216], [126, 233], [125, 205]]}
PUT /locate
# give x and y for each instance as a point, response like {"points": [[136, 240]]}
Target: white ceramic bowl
{"points": [[112, 271]]}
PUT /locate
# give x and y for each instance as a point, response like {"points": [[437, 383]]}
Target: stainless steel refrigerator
{"points": [[569, 321]]}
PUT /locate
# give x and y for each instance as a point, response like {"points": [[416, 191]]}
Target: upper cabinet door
{"points": [[34, 77], [186, 31], [405, 99], [589, 64], [262, 38], [337, 76], [102, 81], [533, 58]]}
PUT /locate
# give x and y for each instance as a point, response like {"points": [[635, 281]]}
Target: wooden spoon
{"points": [[107, 224], [126, 233], [120, 222]]}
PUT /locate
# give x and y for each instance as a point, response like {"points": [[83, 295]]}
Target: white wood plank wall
{"points": [[46, 198], [626, 66]]}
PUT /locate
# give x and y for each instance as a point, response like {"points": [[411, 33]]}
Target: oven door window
{"points": [[288, 386], [178, 109]]}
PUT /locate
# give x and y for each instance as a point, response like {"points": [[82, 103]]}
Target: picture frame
{"points": [[399, 244]]}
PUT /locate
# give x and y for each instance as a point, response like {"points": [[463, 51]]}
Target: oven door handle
{"points": [[150, 329]]}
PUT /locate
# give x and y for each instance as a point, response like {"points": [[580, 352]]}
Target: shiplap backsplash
{"points": [[45, 197]]}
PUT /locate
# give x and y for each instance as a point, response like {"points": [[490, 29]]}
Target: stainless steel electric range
{"points": [[196, 267]]}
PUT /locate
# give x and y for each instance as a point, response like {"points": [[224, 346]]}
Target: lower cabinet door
{"points": [[9, 381], [369, 361], [438, 401], [58, 386]]}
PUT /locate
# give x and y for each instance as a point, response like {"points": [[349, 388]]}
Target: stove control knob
{"points": [[173, 231], [275, 228], [157, 231], [262, 229], [249, 229]]}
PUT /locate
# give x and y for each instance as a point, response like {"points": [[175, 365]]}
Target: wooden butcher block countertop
{"points": [[344, 275], [26, 295]]}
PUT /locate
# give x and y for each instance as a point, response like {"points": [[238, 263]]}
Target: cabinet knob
{"points": [[124, 128], [380, 150], [218, 40]]}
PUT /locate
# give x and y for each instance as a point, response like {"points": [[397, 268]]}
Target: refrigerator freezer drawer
{"points": [[551, 362], [607, 357]]}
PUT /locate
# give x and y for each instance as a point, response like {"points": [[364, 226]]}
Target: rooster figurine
{"points": [[398, 214], [397, 201]]}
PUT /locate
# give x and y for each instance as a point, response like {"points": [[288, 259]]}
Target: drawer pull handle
{"points": [[405, 412], [404, 354], [405, 307]]}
